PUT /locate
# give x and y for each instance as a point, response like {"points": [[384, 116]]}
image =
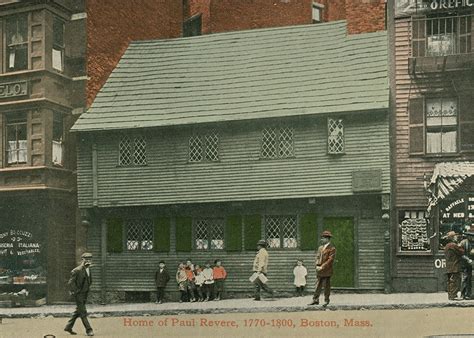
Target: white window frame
{"points": [[319, 8]]}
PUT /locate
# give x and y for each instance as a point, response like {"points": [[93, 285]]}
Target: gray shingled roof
{"points": [[286, 71]]}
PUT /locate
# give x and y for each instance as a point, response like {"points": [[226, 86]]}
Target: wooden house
{"points": [[433, 136], [196, 148]]}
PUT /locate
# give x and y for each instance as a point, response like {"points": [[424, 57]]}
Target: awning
{"points": [[447, 177]]}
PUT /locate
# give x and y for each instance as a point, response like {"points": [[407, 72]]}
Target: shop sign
{"points": [[18, 243], [12, 89], [440, 263], [410, 7]]}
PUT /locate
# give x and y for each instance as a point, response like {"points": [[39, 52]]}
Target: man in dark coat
{"points": [[79, 284], [161, 279], [453, 253], [468, 245], [324, 261]]}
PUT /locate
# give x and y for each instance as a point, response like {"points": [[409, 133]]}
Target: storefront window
{"points": [[413, 230], [455, 214]]}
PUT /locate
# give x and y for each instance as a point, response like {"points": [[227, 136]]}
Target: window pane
{"points": [[285, 145], [17, 30], [433, 142], [316, 14], [58, 32], [201, 234], [58, 59], [139, 151], [441, 45], [212, 147], [125, 151], [335, 136], [449, 142], [269, 143], [195, 149]]}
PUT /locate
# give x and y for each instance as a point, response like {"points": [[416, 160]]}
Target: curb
{"points": [[172, 312]]}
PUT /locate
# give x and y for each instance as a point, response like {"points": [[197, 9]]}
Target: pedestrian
{"points": [[161, 279], [468, 245], [199, 281], [324, 268], [181, 279], [219, 275], [260, 266], [300, 272], [453, 253], [208, 281], [79, 285], [190, 285]]}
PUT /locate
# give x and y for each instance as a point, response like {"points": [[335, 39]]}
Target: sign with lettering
{"points": [[366, 180], [18, 243], [13, 89], [410, 7]]}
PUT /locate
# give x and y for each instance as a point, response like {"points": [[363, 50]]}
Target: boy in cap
{"points": [[79, 283], [260, 265], [161, 279], [324, 262]]}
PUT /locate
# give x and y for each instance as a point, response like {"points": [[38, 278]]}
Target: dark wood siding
{"points": [[240, 174]]}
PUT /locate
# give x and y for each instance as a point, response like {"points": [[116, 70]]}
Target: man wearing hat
{"points": [[260, 265], [324, 262], [468, 245], [453, 253], [79, 284]]}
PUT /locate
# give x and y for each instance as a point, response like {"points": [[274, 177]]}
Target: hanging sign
{"points": [[410, 7]]}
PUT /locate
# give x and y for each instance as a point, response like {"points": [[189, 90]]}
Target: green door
{"points": [[342, 229]]}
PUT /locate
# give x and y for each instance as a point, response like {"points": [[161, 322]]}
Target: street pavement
{"points": [[343, 301]]}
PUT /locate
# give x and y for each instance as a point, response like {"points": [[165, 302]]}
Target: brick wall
{"points": [[365, 16], [111, 25], [231, 15]]}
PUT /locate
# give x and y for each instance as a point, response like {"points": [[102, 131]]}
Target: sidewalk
{"points": [[338, 302]]}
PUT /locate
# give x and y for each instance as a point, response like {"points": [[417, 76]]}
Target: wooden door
{"points": [[342, 229]]}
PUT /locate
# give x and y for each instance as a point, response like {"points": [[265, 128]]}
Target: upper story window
{"points": [[139, 234], [317, 12], [277, 143], [58, 44], [193, 26], [281, 231], [16, 132], [132, 151], [209, 234], [441, 125], [17, 42], [439, 36], [58, 139], [335, 136], [204, 147]]}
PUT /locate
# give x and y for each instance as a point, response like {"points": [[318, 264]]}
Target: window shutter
{"points": [[416, 127], [114, 235], [309, 232], [161, 239], [466, 119], [418, 36], [252, 231], [233, 233], [184, 234]]}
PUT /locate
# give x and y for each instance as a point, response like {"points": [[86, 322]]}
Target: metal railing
{"points": [[440, 36]]}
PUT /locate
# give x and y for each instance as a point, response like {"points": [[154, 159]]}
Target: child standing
{"points": [[161, 279], [300, 272], [219, 275], [199, 281], [191, 287], [208, 281], [181, 279]]}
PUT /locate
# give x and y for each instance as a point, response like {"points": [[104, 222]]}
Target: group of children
{"points": [[203, 284], [200, 284]]}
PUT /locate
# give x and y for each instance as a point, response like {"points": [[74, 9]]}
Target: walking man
{"points": [[468, 245], [260, 266], [79, 284], [453, 253], [324, 262]]}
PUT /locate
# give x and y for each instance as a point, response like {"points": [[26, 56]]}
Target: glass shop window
{"points": [[413, 231]]}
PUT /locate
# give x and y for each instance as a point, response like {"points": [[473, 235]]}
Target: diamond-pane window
{"points": [[204, 147], [209, 234], [139, 234], [335, 136], [277, 143], [281, 231], [132, 151]]}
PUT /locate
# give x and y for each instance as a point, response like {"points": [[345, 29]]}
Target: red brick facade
{"points": [[365, 16], [126, 20]]}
